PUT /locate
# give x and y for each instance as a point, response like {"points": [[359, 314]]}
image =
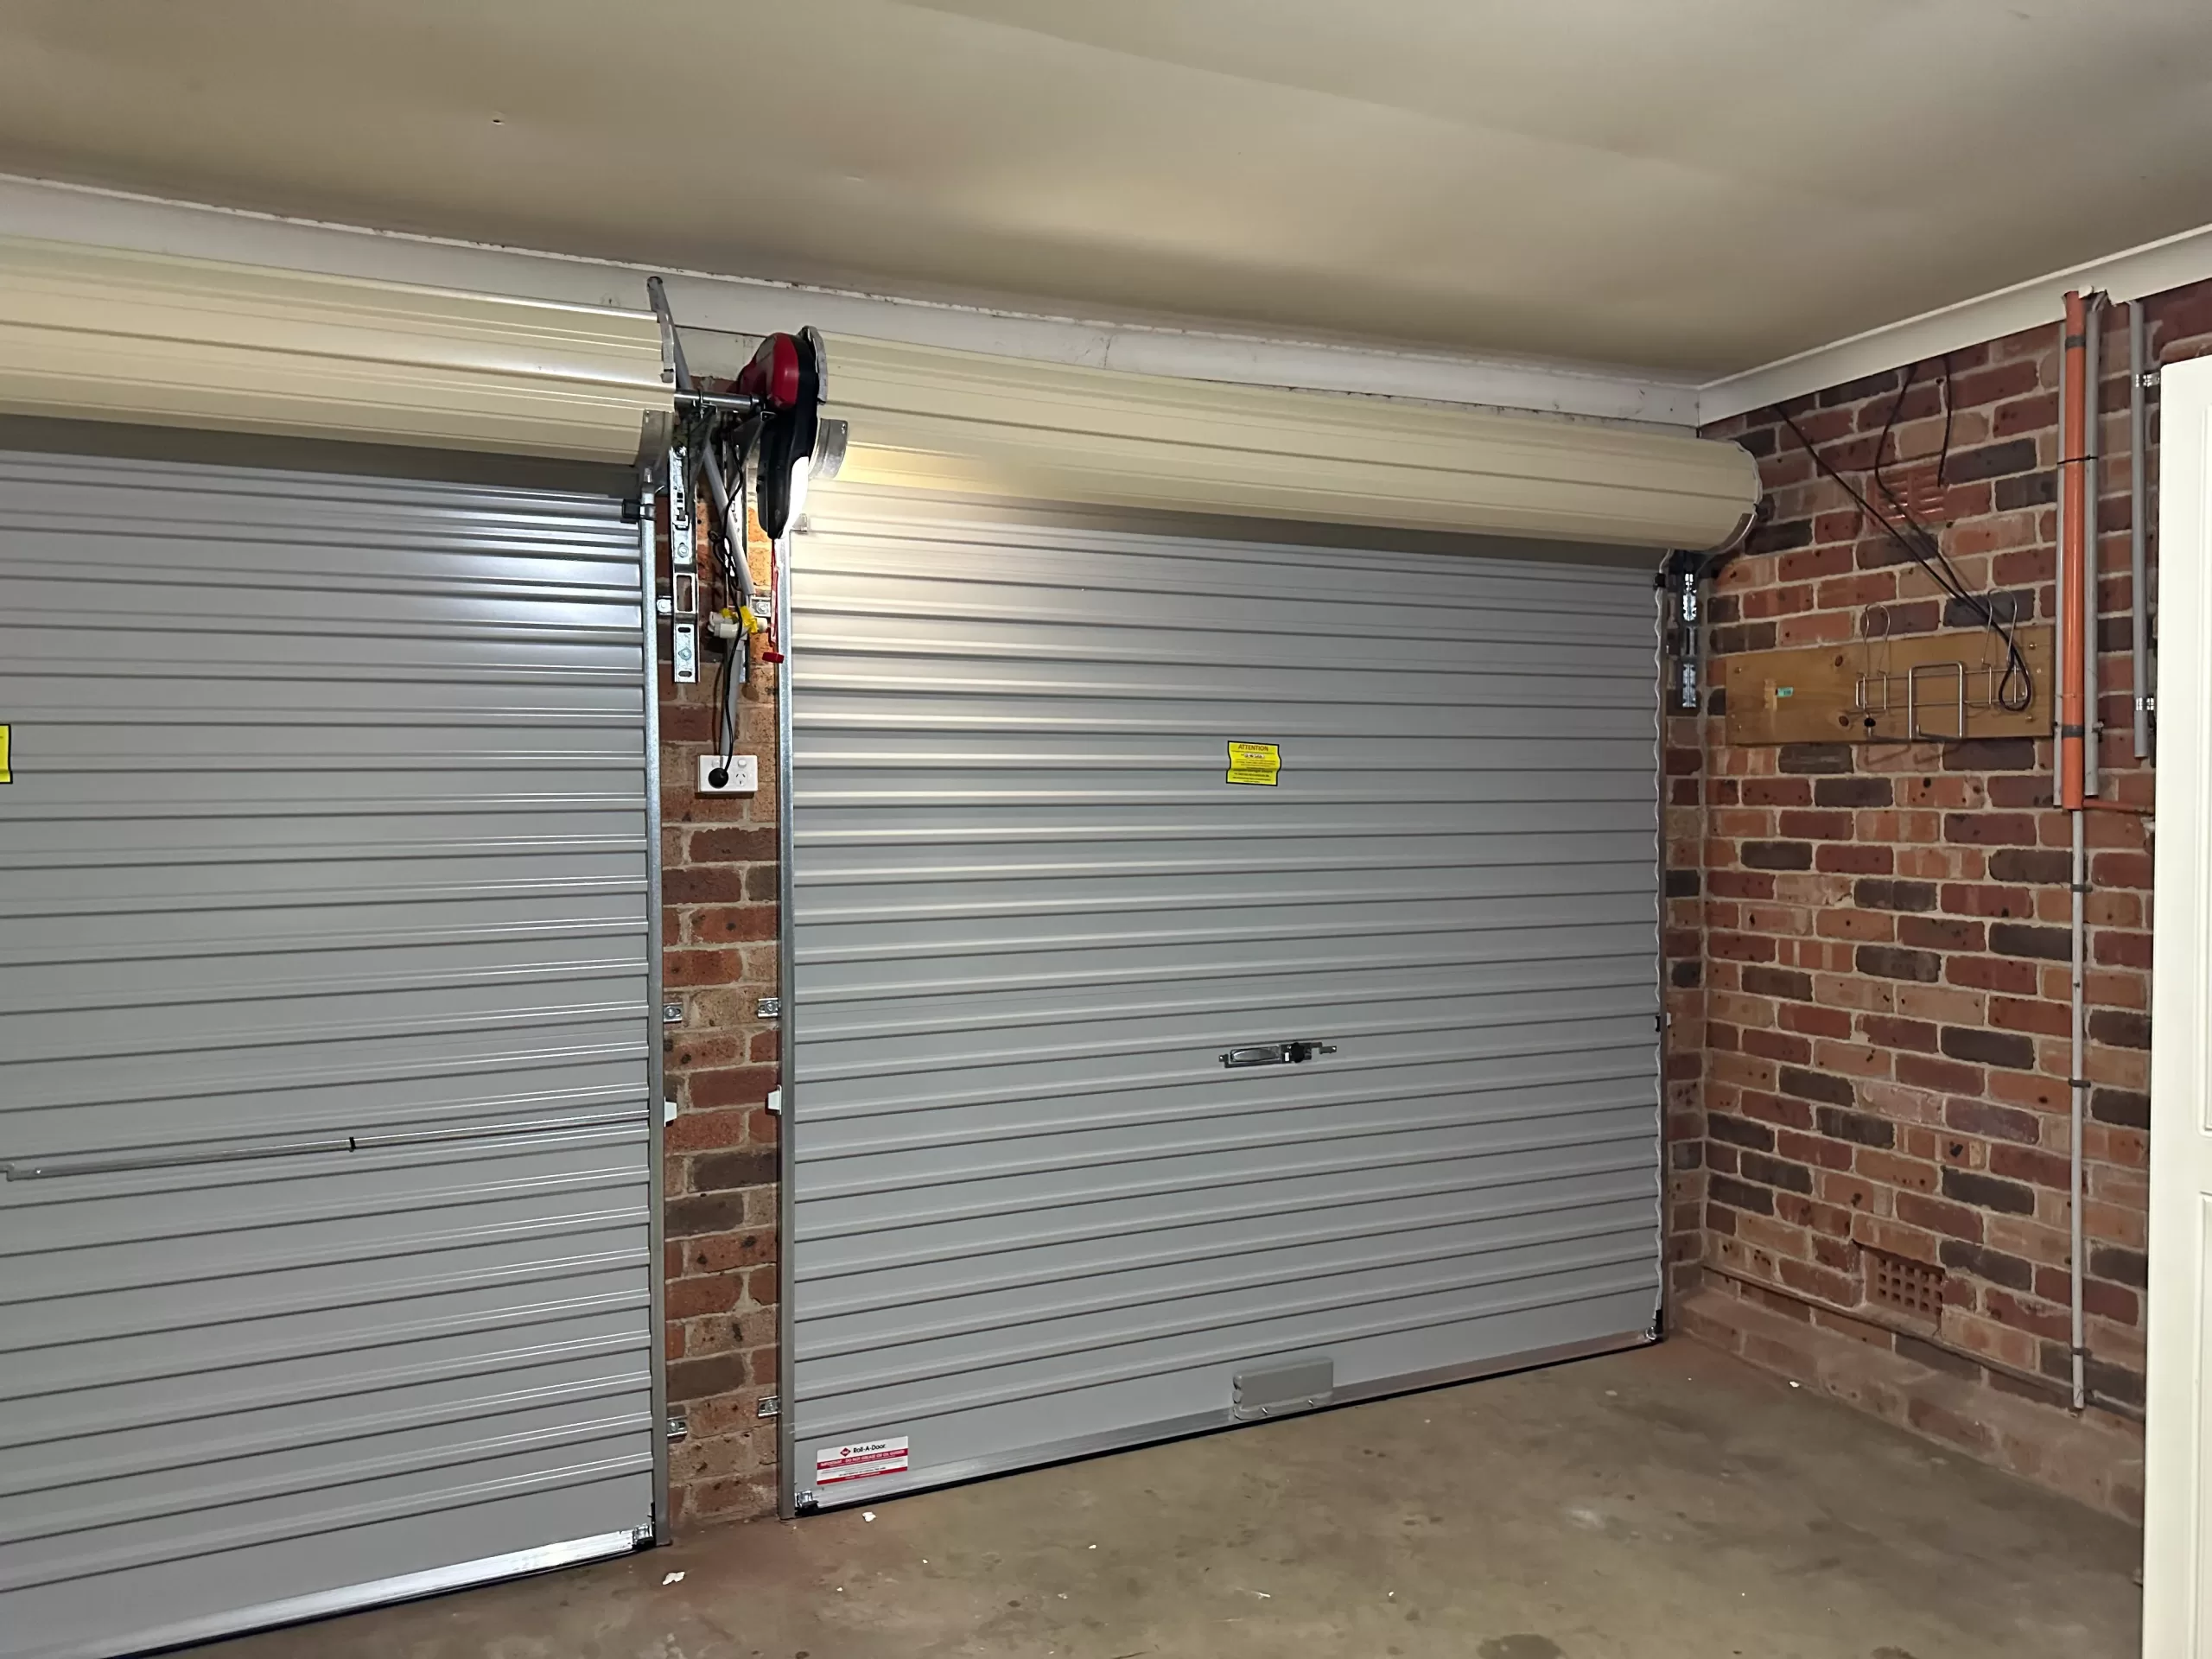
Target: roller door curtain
{"points": [[327, 1048], [1224, 958]]}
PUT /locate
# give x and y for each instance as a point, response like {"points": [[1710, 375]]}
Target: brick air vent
{"points": [[1906, 1287], [1914, 487]]}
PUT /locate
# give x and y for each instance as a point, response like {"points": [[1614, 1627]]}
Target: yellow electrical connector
{"points": [[737, 624]]}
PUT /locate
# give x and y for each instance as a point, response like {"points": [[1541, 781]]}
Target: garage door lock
{"points": [[1291, 1053]]}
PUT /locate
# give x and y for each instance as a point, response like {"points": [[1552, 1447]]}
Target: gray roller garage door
{"points": [[325, 1047], [1034, 1212]]}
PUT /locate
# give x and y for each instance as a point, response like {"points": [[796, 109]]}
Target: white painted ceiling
{"points": [[1685, 185]]}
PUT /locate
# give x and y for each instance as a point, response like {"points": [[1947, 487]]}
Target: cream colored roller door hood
{"points": [[98, 333], [922, 417]]}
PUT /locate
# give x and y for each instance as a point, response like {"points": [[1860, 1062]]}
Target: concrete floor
{"points": [[1666, 1502]]}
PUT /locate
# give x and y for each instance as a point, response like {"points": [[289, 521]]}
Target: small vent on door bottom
{"points": [[1912, 1288], [1302, 1385]]}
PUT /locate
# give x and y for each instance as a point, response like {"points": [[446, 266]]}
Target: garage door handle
{"points": [[1291, 1053]]}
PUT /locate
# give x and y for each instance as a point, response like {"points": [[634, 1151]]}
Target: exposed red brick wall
{"points": [[719, 929], [1868, 944]]}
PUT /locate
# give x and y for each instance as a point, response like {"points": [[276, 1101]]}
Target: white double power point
{"points": [[744, 777]]}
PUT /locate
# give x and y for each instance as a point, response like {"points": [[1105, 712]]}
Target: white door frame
{"points": [[2178, 1484]]}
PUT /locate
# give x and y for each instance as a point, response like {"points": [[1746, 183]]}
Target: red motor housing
{"points": [[773, 374]]}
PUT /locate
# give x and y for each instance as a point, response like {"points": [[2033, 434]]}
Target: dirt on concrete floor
{"points": [[1666, 1504]]}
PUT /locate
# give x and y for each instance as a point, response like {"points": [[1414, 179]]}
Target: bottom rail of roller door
{"points": [[411, 1586], [814, 1499]]}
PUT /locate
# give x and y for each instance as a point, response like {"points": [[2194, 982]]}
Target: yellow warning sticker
{"points": [[6, 776], [1254, 763]]}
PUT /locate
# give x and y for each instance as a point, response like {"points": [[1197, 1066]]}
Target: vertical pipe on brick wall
{"points": [[2092, 485], [2077, 1096], [2072, 443], [2058, 636], [2138, 529], [2077, 510]]}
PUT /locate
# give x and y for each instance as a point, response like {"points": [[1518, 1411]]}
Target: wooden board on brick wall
{"points": [[1926, 688]]}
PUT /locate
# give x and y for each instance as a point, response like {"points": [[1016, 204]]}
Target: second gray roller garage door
{"points": [[326, 1044], [1034, 1211]]}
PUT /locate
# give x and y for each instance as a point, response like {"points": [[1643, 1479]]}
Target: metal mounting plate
{"points": [[1279, 1390]]}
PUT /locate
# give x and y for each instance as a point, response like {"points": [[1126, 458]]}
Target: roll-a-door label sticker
{"points": [[6, 776], [860, 1461], [1254, 763]]}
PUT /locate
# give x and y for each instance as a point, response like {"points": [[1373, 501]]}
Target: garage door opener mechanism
{"points": [[765, 434]]}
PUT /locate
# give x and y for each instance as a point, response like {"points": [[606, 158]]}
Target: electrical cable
{"points": [[725, 713], [701, 429], [2015, 689], [733, 446], [2016, 667], [706, 430], [734, 645]]}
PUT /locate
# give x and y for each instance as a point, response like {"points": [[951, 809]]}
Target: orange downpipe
{"points": [[2073, 497]]}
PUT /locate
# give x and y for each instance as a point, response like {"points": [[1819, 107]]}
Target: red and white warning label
{"points": [[860, 1460]]}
